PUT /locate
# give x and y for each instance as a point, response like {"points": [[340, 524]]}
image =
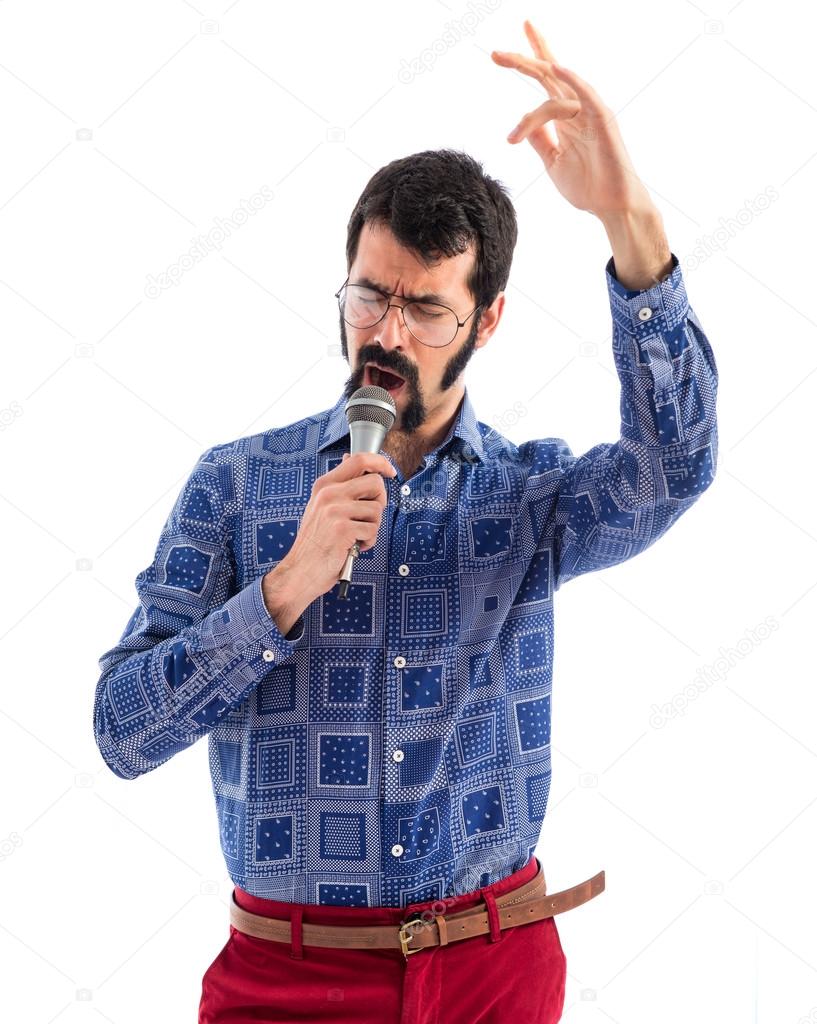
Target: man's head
{"points": [[428, 223]]}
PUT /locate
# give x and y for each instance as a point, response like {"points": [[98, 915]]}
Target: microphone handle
{"points": [[345, 577], [346, 572]]}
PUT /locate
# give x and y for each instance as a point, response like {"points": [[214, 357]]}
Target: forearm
{"points": [[641, 252], [154, 698], [618, 498]]}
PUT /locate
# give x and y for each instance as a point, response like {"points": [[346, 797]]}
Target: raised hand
{"points": [[576, 135]]}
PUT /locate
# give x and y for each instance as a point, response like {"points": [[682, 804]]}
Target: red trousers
{"points": [[515, 975]]}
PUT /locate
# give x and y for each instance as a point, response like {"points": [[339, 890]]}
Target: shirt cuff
{"points": [[647, 311], [244, 638]]}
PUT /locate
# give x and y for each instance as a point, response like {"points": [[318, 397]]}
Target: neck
{"points": [[408, 449], [434, 431]]}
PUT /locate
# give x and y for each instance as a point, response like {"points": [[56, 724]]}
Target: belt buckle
{"points": [[406, 937]]}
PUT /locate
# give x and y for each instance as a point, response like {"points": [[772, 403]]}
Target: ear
{"points": [[490, 320]]}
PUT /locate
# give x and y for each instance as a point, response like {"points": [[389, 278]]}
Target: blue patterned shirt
{"points": [[394, 747]]}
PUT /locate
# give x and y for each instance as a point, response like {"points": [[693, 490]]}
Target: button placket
{"points": [[398, 755], [398, 661]]}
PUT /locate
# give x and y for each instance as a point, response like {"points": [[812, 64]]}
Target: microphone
{"points": [[370, 413]]}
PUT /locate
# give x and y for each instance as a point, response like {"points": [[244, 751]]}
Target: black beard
{"points": [[414, 413]]}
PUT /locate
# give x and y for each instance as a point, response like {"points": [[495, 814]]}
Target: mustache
{"points": [[407, 373]]}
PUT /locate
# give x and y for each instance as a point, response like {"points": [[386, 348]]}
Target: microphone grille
{"points": [[367, 403]]}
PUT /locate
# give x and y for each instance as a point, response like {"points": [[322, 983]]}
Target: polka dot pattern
{"points": [[343, 836]]}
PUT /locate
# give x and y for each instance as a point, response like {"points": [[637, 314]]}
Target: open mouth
{"points": [[392, 382]]}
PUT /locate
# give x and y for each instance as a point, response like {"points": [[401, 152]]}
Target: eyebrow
{"points": [[427, 297]]}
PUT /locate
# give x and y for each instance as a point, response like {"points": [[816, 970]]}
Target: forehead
{"points": [[382, 262]]}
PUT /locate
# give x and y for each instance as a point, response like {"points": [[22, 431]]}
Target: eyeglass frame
{"points": [[394, 295]]}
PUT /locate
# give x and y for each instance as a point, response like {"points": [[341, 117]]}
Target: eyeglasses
{"points": [[430, 323]]}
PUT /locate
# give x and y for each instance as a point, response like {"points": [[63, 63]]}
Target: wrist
{"points": [[283, 597], [641, 252]]}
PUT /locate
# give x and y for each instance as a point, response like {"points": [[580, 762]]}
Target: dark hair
{"points": [[437, 203]]}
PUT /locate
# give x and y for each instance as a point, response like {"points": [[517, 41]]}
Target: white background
{"points": [[128, 129]]}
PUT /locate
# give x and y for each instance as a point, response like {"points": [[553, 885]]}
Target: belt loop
{"points": [[296, 932], [493, 914]]}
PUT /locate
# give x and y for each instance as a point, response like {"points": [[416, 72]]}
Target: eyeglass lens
{"points": [[428, 321]]}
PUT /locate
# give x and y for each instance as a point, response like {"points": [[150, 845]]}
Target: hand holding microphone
{"points": [[342, 516], [370, 413], [344, 509]]}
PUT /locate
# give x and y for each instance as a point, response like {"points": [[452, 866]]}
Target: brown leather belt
{"points": [[530, 902]]}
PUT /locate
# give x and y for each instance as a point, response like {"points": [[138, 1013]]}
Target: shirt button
{"points": [[268, 655], [399, 661], [644, 313], [398, 755], [403, 570], [405, 489], [397, 850]]}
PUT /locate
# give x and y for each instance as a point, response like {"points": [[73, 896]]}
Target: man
{"points": [[381, 763]]}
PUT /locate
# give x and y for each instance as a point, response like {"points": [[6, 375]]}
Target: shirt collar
{"points": [[464, 433]]}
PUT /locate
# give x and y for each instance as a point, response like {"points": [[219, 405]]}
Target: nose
{"points": [[392, 332]]}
